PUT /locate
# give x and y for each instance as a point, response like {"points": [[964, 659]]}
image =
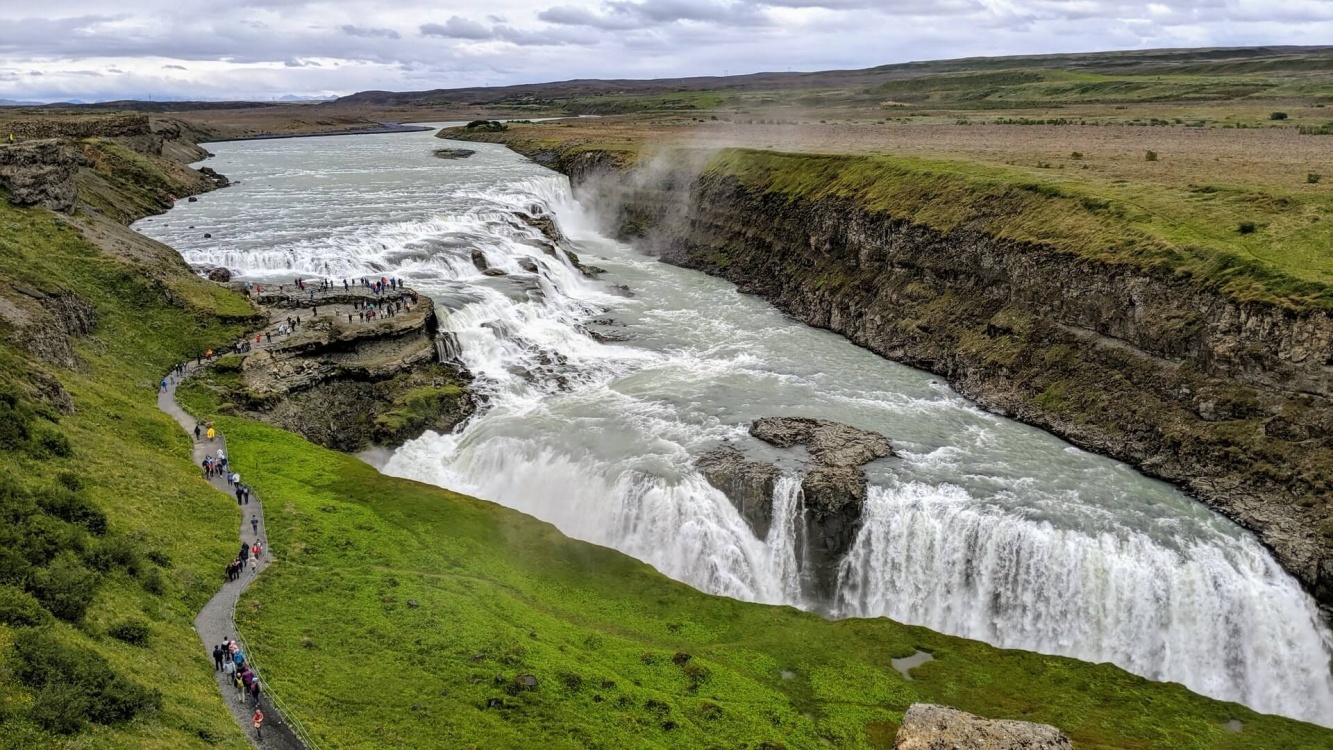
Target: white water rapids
{"points": [[985, 528]]}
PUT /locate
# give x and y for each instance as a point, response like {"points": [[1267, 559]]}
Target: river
{"points": [[984, 527]]}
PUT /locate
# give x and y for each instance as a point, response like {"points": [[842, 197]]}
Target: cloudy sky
{"points": [[262, 49]]}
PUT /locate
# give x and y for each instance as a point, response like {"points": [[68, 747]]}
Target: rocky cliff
{"points": [[1225, 397], [342, 381]]}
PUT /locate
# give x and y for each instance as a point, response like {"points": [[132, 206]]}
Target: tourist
{"points": [[197, 432], [229, 670], [255, 691], [240, 493], [217, 658], [254, 523], [258, 721], [211, 434], [163, 387]]}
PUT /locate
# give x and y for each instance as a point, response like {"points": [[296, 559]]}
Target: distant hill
{"points": [[1227, 61]]}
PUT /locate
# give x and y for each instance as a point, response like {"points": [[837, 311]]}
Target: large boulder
{"points": [[930, 727], [220, 275], [747, 484]]}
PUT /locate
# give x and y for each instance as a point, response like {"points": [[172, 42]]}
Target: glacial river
{"points": [[984, 527]]}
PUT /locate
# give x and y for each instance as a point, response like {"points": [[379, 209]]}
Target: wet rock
{"points": [[528, 264], [218, 180], [829, 443], [192, 199], [833, 492], [208, 236], [543, 223], [747, 484], [453, 153], [479, 260], [494, 272], [929, 727], [220, 275]]}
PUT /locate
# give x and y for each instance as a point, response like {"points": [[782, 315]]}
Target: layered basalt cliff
{"points": [[1227, 398], [344, 381]]}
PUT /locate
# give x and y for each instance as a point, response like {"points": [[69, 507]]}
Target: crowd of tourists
{"points": [[240, 674]]}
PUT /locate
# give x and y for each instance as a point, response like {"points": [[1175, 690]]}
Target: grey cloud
{"points": [[457, 27], [631, 14], [367, 32], [174, 67]]}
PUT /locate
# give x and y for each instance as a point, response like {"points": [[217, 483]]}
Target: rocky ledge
{"points": [[342, 379], [929, 727], [833, 491]]}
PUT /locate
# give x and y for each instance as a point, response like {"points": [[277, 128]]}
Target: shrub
{"points": [[68, 505], [153, 581], [1246, 227], [66, 587], [75, 685], [1076, 155], [50, 443], [1277, 116], [114, 552], [486, 126], [1150, 156], [133, 632], [1313, 178], [20, 609]]}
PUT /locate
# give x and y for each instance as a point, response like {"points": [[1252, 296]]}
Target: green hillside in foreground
{"points": [[398, 614]]}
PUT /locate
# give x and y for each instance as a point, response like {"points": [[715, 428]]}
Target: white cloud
{"points": [[90, 49]]}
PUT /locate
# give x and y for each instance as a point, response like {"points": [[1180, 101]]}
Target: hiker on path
{"points": [[258, 721], [254, 523], [197, 432], [255, 690], [217, 658], [164, 385], [211, 434], [240, 492], [229, 669]]}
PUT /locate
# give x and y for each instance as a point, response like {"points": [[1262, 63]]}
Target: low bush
{"points": [[1246, 227], [1313, 178], [133, 632], [66, 587], [20, 609], [75, 686], [1277, 116], [1150, 156]]}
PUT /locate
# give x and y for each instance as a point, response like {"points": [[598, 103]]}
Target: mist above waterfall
{"points": [[984, 528]]}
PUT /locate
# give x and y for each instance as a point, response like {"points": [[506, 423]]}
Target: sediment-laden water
{"points": [[984, 528]]}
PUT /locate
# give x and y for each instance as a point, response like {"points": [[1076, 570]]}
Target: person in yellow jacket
{"points": [[211, 434]]}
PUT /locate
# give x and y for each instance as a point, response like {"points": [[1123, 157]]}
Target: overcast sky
{"points": [[261, 49]]}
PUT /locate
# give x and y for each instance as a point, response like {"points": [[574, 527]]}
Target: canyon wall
{"points": [[1225, 398]]}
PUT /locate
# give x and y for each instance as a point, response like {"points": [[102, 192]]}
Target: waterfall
{"points": [[984, 528], [1228, 622]]}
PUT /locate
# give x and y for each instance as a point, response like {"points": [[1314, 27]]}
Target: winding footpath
{"points": [[214, 622]]}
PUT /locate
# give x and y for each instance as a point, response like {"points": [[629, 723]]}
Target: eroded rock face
{"points": [[747, 484], [453, 153], [350, 385], [40, 173], [930, 727], [833, 491]]}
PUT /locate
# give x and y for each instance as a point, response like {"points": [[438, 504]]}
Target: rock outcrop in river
{"points": [[833, 490], [346, 384]]}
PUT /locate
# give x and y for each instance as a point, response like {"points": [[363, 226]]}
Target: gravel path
{"points": [[214, 622]]}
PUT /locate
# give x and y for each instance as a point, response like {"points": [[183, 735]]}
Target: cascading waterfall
{"points": [[985, 528]]}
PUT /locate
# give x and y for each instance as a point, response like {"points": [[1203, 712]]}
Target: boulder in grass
{"points": [[929, 727]]}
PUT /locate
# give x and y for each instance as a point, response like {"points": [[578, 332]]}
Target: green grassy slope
{"points": [[399, 614], [158, 561]]}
